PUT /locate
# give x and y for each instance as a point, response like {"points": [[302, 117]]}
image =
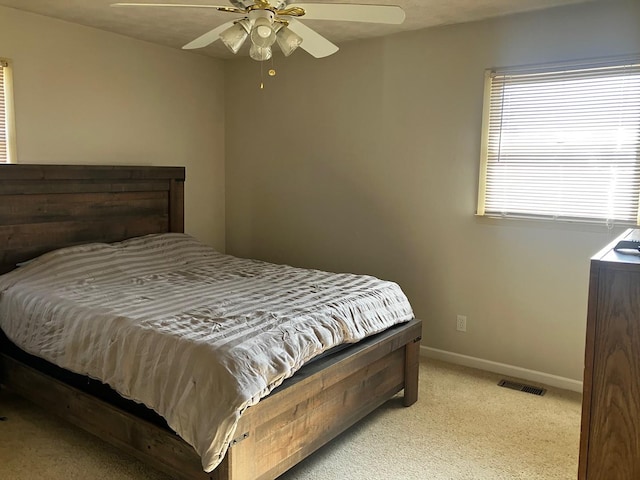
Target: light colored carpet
{"points": [[463, 427]]}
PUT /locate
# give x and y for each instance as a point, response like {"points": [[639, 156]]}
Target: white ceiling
{"points": [[175, 27]]}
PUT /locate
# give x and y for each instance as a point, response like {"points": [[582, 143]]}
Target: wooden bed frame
{"points": [[44, 207]]}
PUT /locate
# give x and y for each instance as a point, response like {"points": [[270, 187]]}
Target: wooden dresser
{"points": [[610, 434]]}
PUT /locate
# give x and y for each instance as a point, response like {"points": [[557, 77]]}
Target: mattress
{"points": [[196, 335]]}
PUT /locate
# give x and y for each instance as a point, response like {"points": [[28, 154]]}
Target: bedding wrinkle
{"points": [[196, 335]]}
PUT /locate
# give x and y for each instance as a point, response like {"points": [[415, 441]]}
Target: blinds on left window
{"points": [[4, 154], [7, 130]]}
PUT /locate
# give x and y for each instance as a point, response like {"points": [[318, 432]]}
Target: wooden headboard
{"points": [[45, 207]]}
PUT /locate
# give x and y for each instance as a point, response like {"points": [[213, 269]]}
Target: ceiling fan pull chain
{"points": [[261, 76]]}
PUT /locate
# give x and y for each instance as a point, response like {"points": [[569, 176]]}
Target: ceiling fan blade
{"points": [[313, 43], [209, 37], [215, 7], [352, 12]]}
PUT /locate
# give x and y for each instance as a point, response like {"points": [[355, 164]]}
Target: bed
{"points": [[44, 208]]}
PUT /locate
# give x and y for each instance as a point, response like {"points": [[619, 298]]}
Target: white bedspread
{"points": [[195, 335]]}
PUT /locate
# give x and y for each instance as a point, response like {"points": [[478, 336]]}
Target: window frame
{"points": [[485, 154], [9, 112]]}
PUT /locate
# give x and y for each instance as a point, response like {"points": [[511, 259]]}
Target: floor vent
{"points": [[522, 387]]}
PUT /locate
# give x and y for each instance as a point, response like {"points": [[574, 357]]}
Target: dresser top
{"points": [[626, 256]]}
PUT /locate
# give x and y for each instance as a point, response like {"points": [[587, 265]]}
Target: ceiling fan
{"points": [[266, 23]]}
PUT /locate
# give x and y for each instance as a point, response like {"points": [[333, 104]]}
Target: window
{"points": [[7, 135], [562, 143]]}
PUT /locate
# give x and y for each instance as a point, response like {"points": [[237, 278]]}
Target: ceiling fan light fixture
{"points": [[288, 41], [259, 53], [265, 18], [262, 34], [235, 36]]}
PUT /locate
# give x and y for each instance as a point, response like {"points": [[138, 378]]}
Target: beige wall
{"points": [[87, 96], [367, 161]]}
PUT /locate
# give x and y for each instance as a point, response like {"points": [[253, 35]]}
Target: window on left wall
{"points": [[7, 129]]}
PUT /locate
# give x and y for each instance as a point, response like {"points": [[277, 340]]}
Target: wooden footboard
{"points": [[321, 402], [308, 410]]}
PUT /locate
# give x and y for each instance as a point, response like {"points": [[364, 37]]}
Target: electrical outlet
{"points": [[461, 324]]}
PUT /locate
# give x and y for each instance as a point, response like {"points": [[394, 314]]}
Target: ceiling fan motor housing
{"points": [[277, 4]]}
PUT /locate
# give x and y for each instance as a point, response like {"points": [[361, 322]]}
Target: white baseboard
{"points": [[502, 368]]}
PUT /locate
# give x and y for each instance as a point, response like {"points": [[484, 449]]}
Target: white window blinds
{"points": [[563, 143], [4, 154], [7, 130]]}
